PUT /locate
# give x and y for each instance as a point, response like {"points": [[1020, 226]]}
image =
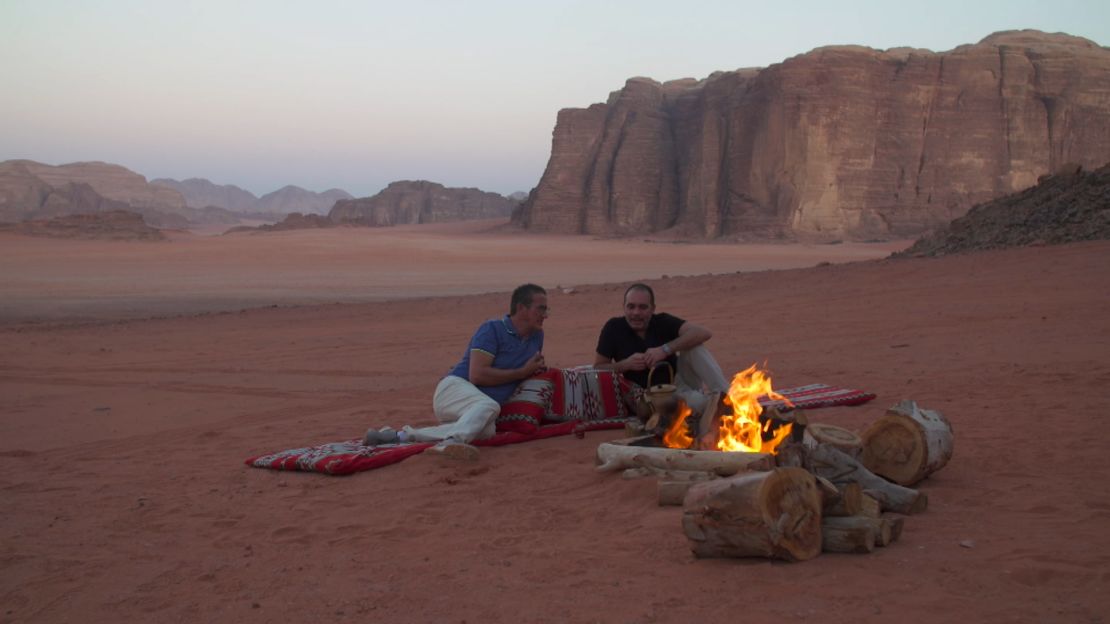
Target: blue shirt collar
{"points": [[509, 325]]}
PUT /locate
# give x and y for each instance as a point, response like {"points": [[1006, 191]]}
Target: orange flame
{"points": [[678, 435], [741, 431]]}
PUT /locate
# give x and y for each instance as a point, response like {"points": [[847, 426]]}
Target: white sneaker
{"points": [[453, 449]]}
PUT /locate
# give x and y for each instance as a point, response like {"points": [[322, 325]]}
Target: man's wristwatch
{"points": [[667, 349]]}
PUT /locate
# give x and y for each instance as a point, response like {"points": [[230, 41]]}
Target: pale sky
{"points": [[354, 95]]}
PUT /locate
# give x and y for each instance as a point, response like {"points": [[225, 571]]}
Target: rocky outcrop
{"points": [[292, 221], [289, 199], [25, 196], [110, 225], [420, 201], [201, 193], [841, 142], [1069, 206], [111, 181]]}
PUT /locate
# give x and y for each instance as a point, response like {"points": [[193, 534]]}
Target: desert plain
{"points": [[135, 378]]}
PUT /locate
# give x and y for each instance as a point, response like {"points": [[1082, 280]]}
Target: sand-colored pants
{"points": [[697, 368], [466, 412]]}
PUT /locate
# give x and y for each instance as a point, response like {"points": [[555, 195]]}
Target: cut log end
{"points": [[774, 514], [907, 444]]}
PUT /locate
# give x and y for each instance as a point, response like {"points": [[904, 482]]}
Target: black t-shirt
{"points": [[618, 341]]}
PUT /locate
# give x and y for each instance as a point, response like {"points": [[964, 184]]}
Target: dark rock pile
{"points": [[1069, 206]]}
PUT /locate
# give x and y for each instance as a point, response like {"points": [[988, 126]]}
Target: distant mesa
{"points": [[296, 199], [292, 221], [406, 202], [201, 193], [34, 191], [109, 225], [420, 201], [1069, 206], [31, 190], [843, 142]]}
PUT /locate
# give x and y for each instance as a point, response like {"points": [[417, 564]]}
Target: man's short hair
{"points": [[523, 295], [643, 287]]}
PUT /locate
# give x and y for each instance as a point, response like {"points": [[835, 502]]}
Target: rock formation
{"points": [[27, 196], [421, 202], [841, 142], [289, 199], [110, 225], [201, 193], [111, 181], [1071, 205], [292, 221]]}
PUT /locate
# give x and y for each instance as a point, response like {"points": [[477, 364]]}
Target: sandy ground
{"points": [[124, 496]]}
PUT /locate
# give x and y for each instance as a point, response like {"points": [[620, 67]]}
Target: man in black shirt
{"points": [[636, 342]]}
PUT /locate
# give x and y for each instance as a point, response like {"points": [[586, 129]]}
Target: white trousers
{"points": [[466, 412], [698, 372]]}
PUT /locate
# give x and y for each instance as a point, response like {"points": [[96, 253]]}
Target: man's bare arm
{"points": [[690, 335]]}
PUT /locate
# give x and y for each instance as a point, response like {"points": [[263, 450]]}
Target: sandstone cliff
{"points": [[421, 202], [26, 196], [111, 181], [841, 142]]}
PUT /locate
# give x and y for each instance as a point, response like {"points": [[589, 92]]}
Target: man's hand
{"points": [[534, 365], [634, 362], [654, 356]]}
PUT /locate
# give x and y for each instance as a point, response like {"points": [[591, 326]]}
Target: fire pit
{"points": [[733, 433], [757, 483]]}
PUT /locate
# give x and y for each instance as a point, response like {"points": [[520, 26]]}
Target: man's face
{"points": [[535, 313], [638, 309]]}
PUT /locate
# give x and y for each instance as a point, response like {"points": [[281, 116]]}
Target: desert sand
{"points": [[125, 496]]}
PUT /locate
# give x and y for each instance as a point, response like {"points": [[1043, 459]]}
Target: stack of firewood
{"points": [[833, 491]]}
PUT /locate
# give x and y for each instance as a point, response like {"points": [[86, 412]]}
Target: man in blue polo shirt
{"points": [[635, 343], [501, 354]]}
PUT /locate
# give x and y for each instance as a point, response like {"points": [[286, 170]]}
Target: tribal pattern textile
{"points": [[585, 395], [817, 395]]}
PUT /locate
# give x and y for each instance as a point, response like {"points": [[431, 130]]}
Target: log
{"points": [[907, 444], [851, 534], [869, 506], [848, 503], [775, 514], [840, 468], [668, 475], [836, 437], [673, 491], [892, 528], [621, 454], [830, 494]]}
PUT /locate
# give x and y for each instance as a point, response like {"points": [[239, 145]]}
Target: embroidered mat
{"points": [[341, 458]]}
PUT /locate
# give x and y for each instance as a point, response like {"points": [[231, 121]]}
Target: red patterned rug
{"points": [[341, 458]]}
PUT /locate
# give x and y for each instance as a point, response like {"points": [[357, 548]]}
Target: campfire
{"points": [[734, 422], [754, 482]]}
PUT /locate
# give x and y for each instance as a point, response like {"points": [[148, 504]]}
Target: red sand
{"points": [[121, 446]]}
